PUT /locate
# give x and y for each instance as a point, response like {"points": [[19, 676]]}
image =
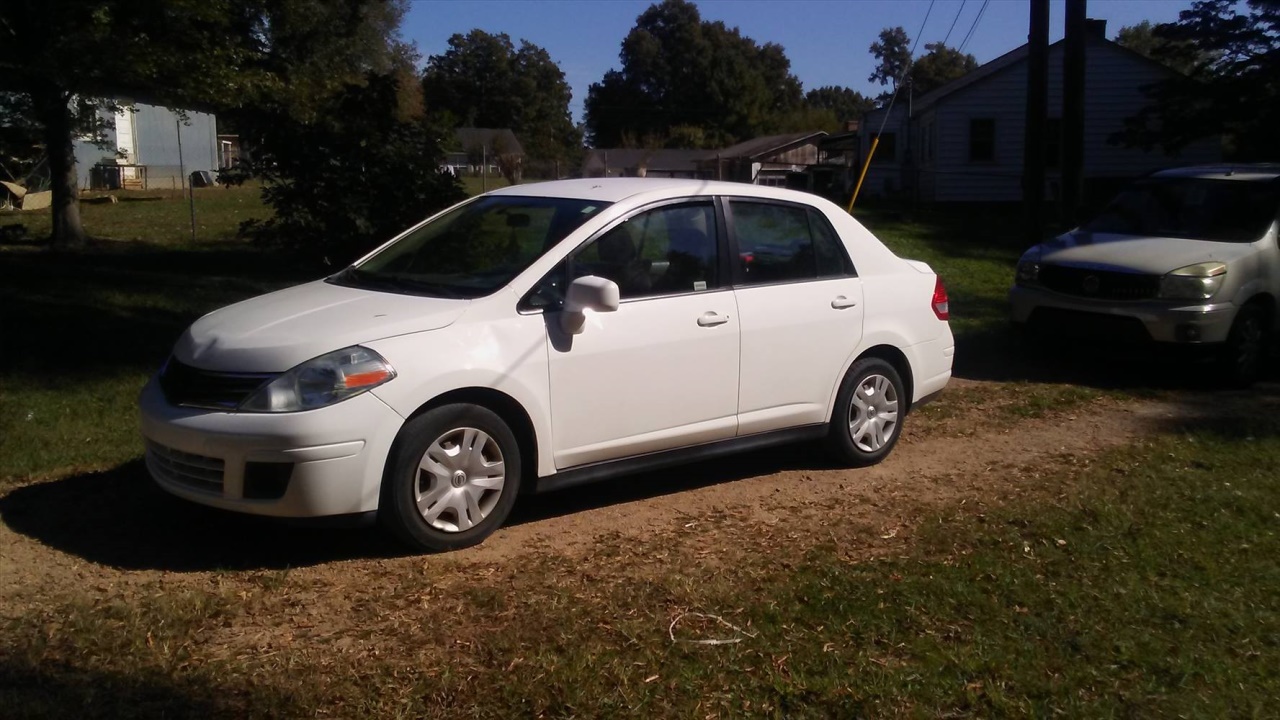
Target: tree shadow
{"points": [[58, 690]]}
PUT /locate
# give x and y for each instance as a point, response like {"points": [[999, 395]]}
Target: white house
{"points": [[964, 141], [142, 149]]}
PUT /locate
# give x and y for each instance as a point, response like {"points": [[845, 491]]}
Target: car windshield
{"points": [[472, 250], [1195, 208]]}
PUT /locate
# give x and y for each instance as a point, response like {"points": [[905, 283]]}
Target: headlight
{"points": [[1193, 282], [322, 381], [1029, 268]]}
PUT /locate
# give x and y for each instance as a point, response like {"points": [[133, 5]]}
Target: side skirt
{"points": [[594, 472]]}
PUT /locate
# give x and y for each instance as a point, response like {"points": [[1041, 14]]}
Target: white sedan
{"points": [[546, 335]]}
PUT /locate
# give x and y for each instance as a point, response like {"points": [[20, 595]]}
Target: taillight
{"points": [[941, 307]]}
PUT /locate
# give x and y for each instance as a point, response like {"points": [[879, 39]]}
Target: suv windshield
{"points": [[473, 250], [1195, 208]]}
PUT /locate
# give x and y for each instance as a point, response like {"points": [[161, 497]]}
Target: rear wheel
{"points": [[868, 416], [452, 478]]}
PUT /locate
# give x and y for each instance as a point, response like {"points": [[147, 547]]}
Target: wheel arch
{"points": [[891, 355], [505, 407]]}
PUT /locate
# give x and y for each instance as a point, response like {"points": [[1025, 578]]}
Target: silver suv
{"points": [[1184, 257]]}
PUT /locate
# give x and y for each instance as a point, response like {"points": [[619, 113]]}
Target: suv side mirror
{"points": [[587, 293]]}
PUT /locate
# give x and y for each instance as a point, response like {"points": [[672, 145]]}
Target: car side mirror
{"points": [[587, 293]]}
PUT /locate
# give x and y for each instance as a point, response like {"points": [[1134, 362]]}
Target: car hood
{"points": [[274, 332], [1134, 253]]}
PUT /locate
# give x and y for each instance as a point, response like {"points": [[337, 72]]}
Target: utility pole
{"points": [[1073, 79], [1033, 157], [182, 178]]}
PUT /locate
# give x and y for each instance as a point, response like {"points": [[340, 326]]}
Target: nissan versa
{"points": [[545, 335]]}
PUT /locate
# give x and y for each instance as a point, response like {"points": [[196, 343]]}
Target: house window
{"points": [[1053, 143], [982, 140], [887, 151]]}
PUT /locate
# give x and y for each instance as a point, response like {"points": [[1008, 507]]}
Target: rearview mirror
{"points": [[587, 293]]}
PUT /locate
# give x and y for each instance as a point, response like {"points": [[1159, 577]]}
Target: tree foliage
{"points": [[938, 66], [679, 70], [483, 80], [344, 148], [893, 56], [69, 58], [362, 169], [1142, 39], [844, 103], [1232, 89]]}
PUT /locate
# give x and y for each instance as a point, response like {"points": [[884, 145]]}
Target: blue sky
{"points": [[826, 40]]}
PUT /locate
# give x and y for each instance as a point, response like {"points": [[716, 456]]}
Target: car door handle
{"points": [[841, 302], [712, 319]]}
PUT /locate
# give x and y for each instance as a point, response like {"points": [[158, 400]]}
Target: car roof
{"points": [[614, 190], [1256, 172]]}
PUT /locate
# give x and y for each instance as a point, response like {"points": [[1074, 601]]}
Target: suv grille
{"points": [[1099, 284], [192, 387]]}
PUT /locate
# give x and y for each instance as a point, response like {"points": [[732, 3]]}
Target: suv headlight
{"points": [[1193, 282], [1028, 268], [328, 379]]}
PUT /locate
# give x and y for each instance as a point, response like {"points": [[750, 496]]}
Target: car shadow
{"points": [[121, 519]]}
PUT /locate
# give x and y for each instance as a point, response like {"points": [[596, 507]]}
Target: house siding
{"points": [[149, 137], [1113, 81]]}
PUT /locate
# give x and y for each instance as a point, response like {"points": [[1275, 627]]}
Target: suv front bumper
{"points": [[1161, 321]]}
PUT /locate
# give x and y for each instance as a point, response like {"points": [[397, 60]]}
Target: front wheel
{"points": [[452, 478], [1241, 357], [868, 415]]}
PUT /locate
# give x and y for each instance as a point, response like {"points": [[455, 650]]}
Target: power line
{"points": [[976, 19], [953, 22]]}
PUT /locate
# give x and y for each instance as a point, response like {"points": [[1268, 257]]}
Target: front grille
{"points": [[187, 469], [192, 387], [1099, 284]]}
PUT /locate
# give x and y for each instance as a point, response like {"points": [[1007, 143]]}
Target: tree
{"points": [[1142, 39], [69, 58], [681, 71], [482, 80], [893, 55], [1233, 89], [343, 145], [938, 66], [846, 104]]}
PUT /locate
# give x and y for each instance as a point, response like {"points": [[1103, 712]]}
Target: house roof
{"points": [[756, 147], [1008, 59], [494, 139]]}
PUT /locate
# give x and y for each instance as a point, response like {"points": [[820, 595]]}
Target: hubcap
{"points": [[460, 479], [873, 413]]}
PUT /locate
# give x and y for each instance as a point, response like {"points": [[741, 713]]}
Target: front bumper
{"points": [[316, 463], [1161, 321]]}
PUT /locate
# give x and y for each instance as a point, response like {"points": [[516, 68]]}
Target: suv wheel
{"points": [[868, 415], [1240, 359], [452, 478]]}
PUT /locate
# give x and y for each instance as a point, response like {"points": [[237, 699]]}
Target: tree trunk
{"points": [[51, 105]]}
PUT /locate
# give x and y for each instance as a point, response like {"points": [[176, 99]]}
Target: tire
{"points": [[461, 464], [1241, 358], [868, 415]]}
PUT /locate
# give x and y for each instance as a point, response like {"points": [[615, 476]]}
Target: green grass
{"points": [[975, 260], [157, 217]]}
